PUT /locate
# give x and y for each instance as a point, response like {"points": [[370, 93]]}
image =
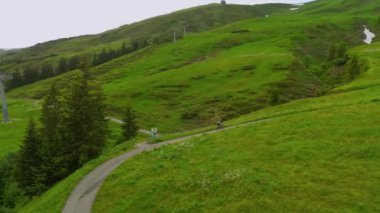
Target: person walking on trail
{"points": [[154, 132], [219, 125]]}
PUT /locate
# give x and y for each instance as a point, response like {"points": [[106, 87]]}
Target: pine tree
{"points": [[47, 71], [123, 49], [275, 97], [135, 45], [63, 65], [85, 126], [52, 153], [332, 52], [130, 127], [6, 168], [95, 60], [353, 69], [341, 52], [15, 82], [73, 63], [28, 172], [31, 74]]}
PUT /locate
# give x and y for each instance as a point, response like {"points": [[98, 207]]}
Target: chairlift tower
{"points": [[3, 78]]}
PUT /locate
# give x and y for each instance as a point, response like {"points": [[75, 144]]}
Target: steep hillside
{"points": [[147, 68], [151, 31], [342, 6], [317, 154], [232, 70], [281, 165], [314, 155], [305, 157], [370, 56]]}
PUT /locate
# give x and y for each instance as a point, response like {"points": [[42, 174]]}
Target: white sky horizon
{"points": [[24, 23]]}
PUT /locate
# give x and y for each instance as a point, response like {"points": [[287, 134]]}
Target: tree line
{"points": [[71, 130], [338, 56], [34, 73]]}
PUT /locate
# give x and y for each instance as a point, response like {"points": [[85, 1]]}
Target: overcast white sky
{"points": [[27, 22]]}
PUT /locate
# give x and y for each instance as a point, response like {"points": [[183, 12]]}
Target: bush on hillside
{"points": [[354, 68]]}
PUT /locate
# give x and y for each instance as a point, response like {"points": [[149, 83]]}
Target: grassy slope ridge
{"points": [[321, 155], [150, 77], [342, 6], [231, 69], [316, 155], [263, 159], [12, 133], [164, 62], [115, 69], [283, 165], [157, 29], [371, 78]]}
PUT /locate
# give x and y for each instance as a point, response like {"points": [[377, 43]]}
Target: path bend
{"points": [[84, 194]]}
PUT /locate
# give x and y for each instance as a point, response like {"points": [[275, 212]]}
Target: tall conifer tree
{"points": [[85, 126], [129, 128], [53, 149], [28, 171]]}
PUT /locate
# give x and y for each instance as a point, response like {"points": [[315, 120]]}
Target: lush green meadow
{"points": [[313, 155], [21, 111], [322, 161], [152, 31], [11, 134], [316, 150], [231, 70], [370, 56]]}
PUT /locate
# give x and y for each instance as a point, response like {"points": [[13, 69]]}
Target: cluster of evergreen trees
{"points": [[34, 73], [72, 131], [338, 57], [337, 54], [354, 68], [109, 54]]}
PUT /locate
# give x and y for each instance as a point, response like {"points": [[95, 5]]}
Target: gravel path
{"points": [[84, 194], [143, 131]]}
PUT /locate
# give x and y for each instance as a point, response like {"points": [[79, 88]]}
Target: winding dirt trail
{"points": [[83, 196], [143, 131]]}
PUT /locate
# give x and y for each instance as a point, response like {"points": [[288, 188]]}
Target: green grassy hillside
{"points": [[21, 110], [233, 70], [207, 17], [316, 154], [313, 155], [342, 6], [11, 134], [371, 78], [285, 165], [154, 30]]}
